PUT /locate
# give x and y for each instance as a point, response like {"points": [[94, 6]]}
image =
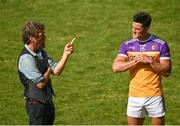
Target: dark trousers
{"points": [[39, 113]]}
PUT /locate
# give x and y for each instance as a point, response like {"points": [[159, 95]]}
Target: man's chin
{"points": [[134, 36], [43, 46]]}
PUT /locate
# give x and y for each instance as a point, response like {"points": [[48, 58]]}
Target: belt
{"points": [[33, 101]]}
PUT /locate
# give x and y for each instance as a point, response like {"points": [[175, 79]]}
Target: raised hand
{"points": [[68, 49]]}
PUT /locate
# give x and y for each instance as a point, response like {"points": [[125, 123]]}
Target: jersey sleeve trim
{"points": [[123, 55], [161, 58]]}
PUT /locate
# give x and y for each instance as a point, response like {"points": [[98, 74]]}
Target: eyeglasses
{"points": [[41, 35]]}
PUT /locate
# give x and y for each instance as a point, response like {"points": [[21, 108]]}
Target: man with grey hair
{"points": [[35, 68]]}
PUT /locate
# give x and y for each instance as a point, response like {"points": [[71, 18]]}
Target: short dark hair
{"points": [[31, 28], [144, 18]]}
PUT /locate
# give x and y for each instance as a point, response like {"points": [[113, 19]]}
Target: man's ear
{"points": [[147, 28]]}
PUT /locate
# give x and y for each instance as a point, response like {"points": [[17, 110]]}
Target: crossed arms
{"points": [[122, 64]]}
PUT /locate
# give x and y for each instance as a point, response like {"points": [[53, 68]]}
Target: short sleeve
{"points": [[165, 51], [28, 67], [123, 50], [51, 62]]}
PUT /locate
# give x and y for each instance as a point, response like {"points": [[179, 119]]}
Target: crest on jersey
{"points": [[153, 47]]}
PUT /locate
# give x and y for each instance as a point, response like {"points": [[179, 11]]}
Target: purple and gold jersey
{"points": [[144, 81]]}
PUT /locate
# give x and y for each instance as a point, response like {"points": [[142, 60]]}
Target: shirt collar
{"points": [[33, 53], [146, 39]]}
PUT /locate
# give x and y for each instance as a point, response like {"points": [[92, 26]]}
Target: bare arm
{"points": [[163, 67], [60, 66], [122, 64], [44, 82]]}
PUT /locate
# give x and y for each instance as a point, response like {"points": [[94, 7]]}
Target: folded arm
{"points": [[162, 67], [122, 64], [46, 76]]}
